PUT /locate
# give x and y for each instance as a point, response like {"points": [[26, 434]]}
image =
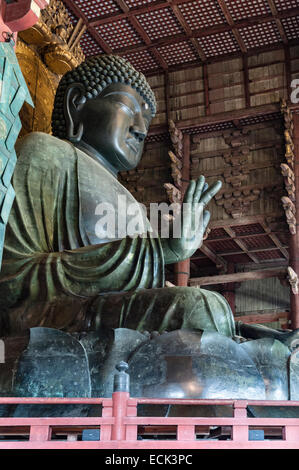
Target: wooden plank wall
{"points": [[230, 85]]}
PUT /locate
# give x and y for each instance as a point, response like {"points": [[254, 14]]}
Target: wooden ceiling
{"points": [[156, 35]]}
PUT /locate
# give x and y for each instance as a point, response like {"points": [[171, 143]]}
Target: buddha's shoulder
{"points": [[38, 148]]}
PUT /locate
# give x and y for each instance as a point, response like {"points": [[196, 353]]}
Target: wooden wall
{"points": [[226, 85]]}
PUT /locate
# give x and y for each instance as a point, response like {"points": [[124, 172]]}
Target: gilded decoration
{"points": [[45, 52], [42, 85], [57, 38]]}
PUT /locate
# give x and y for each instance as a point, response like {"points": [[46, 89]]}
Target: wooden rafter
{"points": [[243, 247], [188, 32], [275, 240], [137, 26], [210, 30], [227, 116], [231, 22], [71, 4], [218, 260], [279, 25], [238, 277]]}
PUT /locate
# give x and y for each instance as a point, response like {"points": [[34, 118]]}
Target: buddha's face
{"points": [[115, 124]]}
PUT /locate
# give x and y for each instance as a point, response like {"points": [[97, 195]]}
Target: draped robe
{"points": [[58, 273]]}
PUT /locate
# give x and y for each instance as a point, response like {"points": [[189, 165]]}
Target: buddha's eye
{"points": [[125, 108]]}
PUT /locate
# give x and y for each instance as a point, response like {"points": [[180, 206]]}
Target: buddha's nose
{"points": [[138, 129]]}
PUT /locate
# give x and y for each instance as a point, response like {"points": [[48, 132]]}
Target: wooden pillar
{"points": [[294, 239], [182, 269], [229, 289]]}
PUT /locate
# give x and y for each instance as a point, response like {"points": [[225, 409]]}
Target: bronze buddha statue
{"points": [[57, 271]]}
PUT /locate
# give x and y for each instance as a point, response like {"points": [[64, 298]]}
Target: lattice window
{"points": [[223, 246], [257, 119], [94, 8], [265, 255], [286, 4], [157, 138], [118, 34], [210, 128], [138, 3], [141, 60], [238, 259], [202, 14], [240, 9], [248, 229], [260, 35], [89, 45], [291, 27], [179, 53], [219, 44], [258, 242], [217, 233], [160, 23]]}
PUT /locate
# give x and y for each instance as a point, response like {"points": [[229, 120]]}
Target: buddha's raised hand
{"points": [[193, 223]]}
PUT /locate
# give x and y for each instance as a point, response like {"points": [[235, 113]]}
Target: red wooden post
{"points": [[185, 433], [106, 429], [40, 433], [229, 291], [294, 239], [240, 432], [131, 429], [291, 433], [182, 268], [119, 407]]}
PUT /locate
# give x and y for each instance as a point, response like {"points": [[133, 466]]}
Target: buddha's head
{"points": [[106, 107]]}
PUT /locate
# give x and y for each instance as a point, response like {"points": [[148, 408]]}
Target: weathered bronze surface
{"points": [[105, 295]]}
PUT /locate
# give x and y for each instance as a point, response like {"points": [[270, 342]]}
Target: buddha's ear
{"points": [[74, 101]]}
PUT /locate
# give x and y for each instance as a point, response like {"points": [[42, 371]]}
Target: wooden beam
{"points": [[248, 252], [167, 96], [206, 89], [279, 25], [288, 72], [227, 116], [218, 260], [188, 32], [137, 26], [76, 10], [275, 240], [237, 277], [223, 57], [243, 247], [261, 316], [246, 81], [204, 31], [230, 21]]}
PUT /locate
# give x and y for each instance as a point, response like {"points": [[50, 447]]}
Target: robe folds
{"points": [[58, 272]]}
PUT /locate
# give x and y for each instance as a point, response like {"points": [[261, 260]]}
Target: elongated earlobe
{"points": [[73, 103]]}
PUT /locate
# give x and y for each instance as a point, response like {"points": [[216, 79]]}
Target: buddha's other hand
{"points": [[194, 221]]}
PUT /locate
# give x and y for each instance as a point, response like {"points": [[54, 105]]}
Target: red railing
{"points": [[119, 426]]}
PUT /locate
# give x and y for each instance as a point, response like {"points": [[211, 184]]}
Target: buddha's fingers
{"points": [[188, 198], [200, 184], [205, 220], [210, 193]]}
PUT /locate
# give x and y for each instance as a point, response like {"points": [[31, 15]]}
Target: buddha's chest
{"points": [[107, 209]]}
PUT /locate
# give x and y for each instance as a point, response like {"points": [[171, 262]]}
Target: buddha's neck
{"points": [[96, 156]]}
